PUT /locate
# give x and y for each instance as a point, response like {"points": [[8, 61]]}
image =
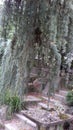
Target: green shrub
{"points": [[69, 98], [15, 103], [7, 97], [12, 101]]}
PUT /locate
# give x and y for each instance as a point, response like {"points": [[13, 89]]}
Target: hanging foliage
{"points": [[32, 26]]}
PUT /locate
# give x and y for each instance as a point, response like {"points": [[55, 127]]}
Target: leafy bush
{"points": [[15, 103], [7, 97], [69, 98], [12, 101]]}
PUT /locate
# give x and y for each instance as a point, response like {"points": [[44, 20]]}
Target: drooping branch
{"points": [[57, 55]]}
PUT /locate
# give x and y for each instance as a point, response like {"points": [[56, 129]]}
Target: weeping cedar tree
{"points": [[37, 28]]}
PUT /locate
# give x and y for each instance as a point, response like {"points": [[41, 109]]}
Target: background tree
{"points": [[39, 29]]}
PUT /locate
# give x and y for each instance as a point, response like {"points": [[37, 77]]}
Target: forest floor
{"points": [[36, 111]]}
